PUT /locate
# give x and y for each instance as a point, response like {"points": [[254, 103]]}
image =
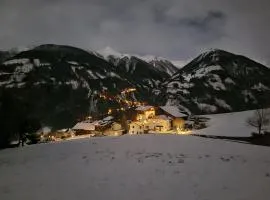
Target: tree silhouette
{"points": [[28, 129], [259, 120]]}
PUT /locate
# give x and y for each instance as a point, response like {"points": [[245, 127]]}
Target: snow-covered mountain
{"points": [[57, 84], [176, 63], [110, 52], [161, 64], [219, 81], [60, 84]]}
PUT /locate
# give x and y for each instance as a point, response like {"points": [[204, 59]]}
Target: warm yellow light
{"points": [[128, 90], [183, 132]]}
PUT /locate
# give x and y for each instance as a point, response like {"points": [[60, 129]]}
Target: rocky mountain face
{"points": [[161, 65], [139, 72], [219, 81], [164, 65]]}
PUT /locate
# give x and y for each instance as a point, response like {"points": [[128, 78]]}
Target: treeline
{"points": [[15, 121]]}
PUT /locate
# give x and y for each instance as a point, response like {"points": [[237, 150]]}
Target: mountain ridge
{"points": [[206, 84], [60, 84], [68, 83]]}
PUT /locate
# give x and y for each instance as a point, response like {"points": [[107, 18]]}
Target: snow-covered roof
{"points": [[63, 130], [84, 126], [173, 110], [105, 121], [108, 118], [144, 108]]}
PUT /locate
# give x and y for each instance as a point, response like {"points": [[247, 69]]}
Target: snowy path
{"points": [[136, 167]]}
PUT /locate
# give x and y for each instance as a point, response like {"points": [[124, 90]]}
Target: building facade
{"points": [[136, 128]]}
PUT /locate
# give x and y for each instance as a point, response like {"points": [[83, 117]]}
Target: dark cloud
{"points": [[178, 29], [205, 23]]}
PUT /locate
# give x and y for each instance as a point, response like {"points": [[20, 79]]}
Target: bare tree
{"points": [[259, 120]]}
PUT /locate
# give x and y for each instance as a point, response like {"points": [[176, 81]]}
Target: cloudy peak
{"points": [[109, 51]]}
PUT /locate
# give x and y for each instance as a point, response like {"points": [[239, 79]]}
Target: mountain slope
{"points": [[61, 84], [161, 63], [146, 76], [57, 84], [139, 71], [219, 81]]}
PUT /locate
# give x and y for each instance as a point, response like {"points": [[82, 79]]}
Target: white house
{"points": [[159, 123], [177, 116], [136, 128]]}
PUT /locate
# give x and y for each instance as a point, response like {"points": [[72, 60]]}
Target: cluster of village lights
{"points": [[125, 91], [128, 90], [118, 109], [119, 99]]}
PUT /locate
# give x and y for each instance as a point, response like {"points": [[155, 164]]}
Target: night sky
{"points": [[176, 29]]}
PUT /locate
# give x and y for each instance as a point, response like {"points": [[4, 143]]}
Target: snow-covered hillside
{"points": [[228, 124], [138, 167]]}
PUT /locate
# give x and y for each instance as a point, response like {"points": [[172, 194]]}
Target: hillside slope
{"points": [[60, 85], [57, 84]]}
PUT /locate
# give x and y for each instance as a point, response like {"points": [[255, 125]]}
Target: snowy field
{"points": [[142, 167], [229, 124]]}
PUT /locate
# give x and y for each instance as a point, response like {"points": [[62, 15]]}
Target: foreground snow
{"points": [[228, 124], [136, 167]]}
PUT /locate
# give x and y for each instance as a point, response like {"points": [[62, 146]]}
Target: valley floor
{"points": [[136, 167]]}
